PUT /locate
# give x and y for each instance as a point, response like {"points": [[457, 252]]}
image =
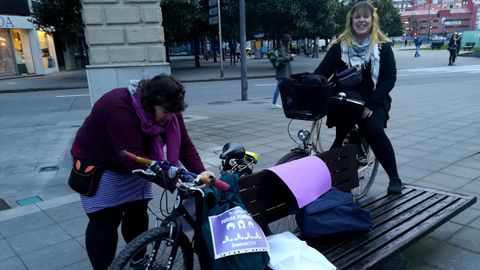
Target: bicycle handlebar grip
{"points": [[212, 181], [137, 159]]}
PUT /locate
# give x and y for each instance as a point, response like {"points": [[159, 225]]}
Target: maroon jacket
{"points": [[113, 126]]}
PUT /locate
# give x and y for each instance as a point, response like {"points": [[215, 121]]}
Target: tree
{"points": [[390, 19], [58, 16], [179, 17], [64, 18]]}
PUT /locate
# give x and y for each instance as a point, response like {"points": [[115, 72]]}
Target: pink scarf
{"points": [[171, 132]]}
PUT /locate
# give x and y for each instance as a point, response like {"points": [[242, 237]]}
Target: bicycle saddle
{"points": [[232, 150]]}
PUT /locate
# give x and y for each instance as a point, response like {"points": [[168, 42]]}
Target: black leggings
{"points": [[101, 236], [372, 129]]}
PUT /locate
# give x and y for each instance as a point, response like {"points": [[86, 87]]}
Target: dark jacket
{"points": [[113, 125], [284, 70], [374, 99]]}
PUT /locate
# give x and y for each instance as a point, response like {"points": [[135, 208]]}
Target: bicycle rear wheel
{"points": [[157, 246], [367, 170]]}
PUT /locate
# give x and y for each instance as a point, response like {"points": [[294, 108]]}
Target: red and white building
{"points": [[440, 17]]}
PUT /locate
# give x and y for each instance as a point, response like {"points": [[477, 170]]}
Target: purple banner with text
{"points": [[235, 232]]}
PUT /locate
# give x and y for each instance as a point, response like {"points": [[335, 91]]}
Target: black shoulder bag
{"points": [[85, 177]]}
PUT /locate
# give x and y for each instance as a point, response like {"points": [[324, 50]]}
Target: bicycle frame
{"points": [[169, 229], [174, 222]]}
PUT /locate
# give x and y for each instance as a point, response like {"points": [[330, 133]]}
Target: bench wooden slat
{"points": [[401, 230], [381, 225], [364, 250]]}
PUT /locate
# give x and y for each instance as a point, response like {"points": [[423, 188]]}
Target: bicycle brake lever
{"points": [[145, 172]]}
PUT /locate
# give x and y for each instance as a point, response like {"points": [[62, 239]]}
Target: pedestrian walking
{"points": [[282, 66], [363, 47], [452, 49], [418, 42], [144, 119], [406, 41]]}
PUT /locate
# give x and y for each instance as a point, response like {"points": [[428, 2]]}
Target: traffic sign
{"points": [[213, 20], [213, 11]]}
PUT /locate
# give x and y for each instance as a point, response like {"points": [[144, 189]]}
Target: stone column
{"points": [[125, 41]]}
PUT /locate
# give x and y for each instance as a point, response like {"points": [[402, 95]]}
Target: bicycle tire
{"points": [[183, 259], [287, 223], [367, 171]]}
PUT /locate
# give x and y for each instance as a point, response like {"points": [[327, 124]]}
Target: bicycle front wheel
{"points": [[367, 170], [156, 247]]}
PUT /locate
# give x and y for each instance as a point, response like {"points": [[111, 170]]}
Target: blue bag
{"points": [[333, 213]]}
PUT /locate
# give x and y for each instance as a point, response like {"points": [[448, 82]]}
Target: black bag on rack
{"points": [[305, 96]]}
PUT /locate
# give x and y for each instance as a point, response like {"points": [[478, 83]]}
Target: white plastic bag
{"points": [[288, 252]]}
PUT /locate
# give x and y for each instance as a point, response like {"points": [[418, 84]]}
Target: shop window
{"points": [[7, 67], [46, 47], [20, 53]]}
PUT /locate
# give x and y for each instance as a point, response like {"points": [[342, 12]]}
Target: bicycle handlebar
{"points": [[342, 97], [173, 171]]}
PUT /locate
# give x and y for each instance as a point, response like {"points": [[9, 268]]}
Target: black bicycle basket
{"points": [[305, 96]]}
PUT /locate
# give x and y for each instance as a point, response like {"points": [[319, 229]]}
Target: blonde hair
{"points": [[377, 36]]}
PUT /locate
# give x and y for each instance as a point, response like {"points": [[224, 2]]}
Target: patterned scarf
{"points": [[360, 54], [171, 130]]}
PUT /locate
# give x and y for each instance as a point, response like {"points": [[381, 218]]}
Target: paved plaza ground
{"points": [[434, 128]]}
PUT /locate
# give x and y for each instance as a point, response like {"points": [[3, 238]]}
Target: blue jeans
{"points": [[417, 51], [275, 95]]}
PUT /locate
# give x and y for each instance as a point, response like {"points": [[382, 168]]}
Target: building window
{"points": [[7, 66], [46, 47]]}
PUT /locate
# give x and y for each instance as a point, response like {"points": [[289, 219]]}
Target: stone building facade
{"points": [[125, 40]]}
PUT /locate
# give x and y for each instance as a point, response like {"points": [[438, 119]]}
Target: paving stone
{"points": [[443, 179], [75, 227], [475, 224], [83, 265], [466, 216], [472, 187], [56, 256], [446, 256], [5, 251], [37, 239], [412, 172], [24, 223], [423, 245], [427, 163], [446, 231], [66, 212], [415, 265], [461, 171], [13, 263], [467, 238]]}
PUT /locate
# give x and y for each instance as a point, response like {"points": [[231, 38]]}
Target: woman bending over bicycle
{"points": [[142, 120], [362, 45]]}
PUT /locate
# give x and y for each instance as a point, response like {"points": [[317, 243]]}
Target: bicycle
{"points": [[310, 102], [166, 246]]}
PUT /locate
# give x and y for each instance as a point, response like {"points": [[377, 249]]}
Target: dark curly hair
{"points": [[163, 90]]}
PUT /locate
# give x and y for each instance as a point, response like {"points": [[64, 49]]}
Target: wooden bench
{"points": [[398, 220], [468, 46]]}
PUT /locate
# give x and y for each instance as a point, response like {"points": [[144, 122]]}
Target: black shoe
{"points": [[395, 186]]}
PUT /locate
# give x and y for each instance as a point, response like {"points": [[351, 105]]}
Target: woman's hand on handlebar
{"points": [[366, 113]]}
